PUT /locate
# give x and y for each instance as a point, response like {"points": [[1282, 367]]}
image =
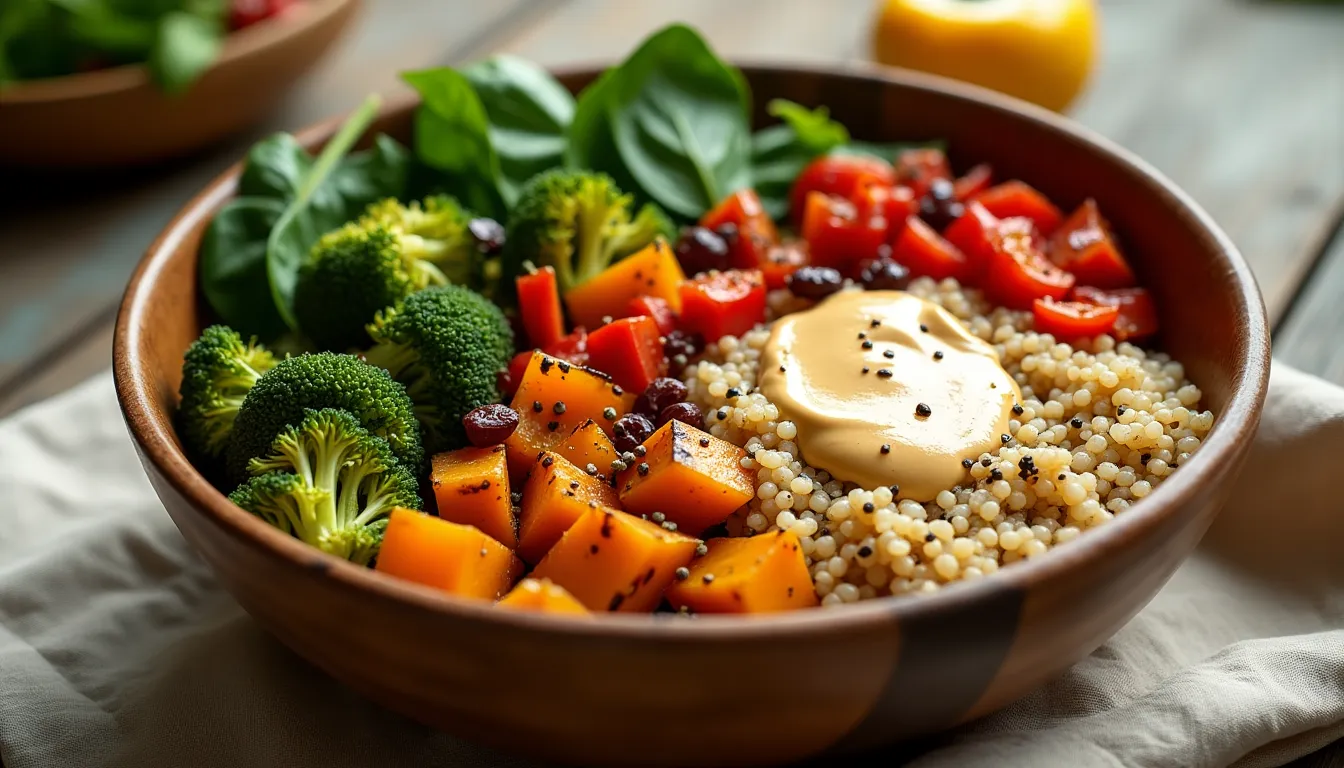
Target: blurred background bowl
{"points": [[118, 117]]}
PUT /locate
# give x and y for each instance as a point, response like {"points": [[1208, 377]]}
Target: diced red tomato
{"points": [[1083, 245], [756, 231], [572, 348], [656, 308], [839, 175], [517, 367], [783, 260], [1073, 319], [629, 350], [975, 181], [243, 13], [1138, 313], [918, 168], [1014, 198], [896, 204], [539, 305], [925, 253], [973, 234], [718, 304], [840, 234], [1017, 273]]}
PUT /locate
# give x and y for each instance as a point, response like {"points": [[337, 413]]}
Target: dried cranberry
{"points": [[489, 235], [939, 207], [686, 413], [884, 275], [814, 282], [490, 424], [700, 250], [679, 347], [660, 394], [630, 430]]}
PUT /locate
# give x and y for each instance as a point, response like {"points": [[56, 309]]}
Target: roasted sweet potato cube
{"points": [[611, 561], [471, 486], [541, 596], [452, 557], [589, 444], [553, 398], [651, 271], [692, 477], [556, 494], [760, 574]]}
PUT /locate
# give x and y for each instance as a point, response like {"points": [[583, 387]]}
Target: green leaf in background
{"points": [[452, 136], [679, 117], [185, 46], [529, 113], [779, 153]]}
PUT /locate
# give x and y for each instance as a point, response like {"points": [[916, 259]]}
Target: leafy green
{"points": [[680, 122], [452, 136], [885, 151], [779, 153], [529, 113], [185, 46], [252, 249]]}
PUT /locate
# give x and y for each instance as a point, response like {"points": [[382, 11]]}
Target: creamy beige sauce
{"points": [[812, 370]]}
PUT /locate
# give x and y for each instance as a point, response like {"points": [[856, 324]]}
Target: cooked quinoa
{"points": [[1100, 427]]}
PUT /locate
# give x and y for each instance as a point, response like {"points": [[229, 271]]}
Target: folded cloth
{"points": [[118, 648]]}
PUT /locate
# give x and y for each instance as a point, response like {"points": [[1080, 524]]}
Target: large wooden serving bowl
{"points": [[625, 690]]}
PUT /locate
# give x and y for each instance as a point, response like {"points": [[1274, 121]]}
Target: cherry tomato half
{"points": [[1014, 198], [718, 304], [839, 175], [1084, 246], [840, 234], [975, 181], [1067, 320], [918, 168], [783, 260], [1017, 273], [925, 253], [973, 233], [1138, 313], [756, 232]]}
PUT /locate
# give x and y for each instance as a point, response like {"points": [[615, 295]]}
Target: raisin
{"points": [[660, 394], [884, 275], [631, 430], [814, 282], [700, 250], [490, 424], [686, 413]]}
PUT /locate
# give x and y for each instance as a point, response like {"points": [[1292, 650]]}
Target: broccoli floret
{"points": [[578, 222], [218, 370], [390, 252], [446, 345], [329, 483], [285, 393]]}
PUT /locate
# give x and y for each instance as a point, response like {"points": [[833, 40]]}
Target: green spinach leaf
{"points": [[452, 136], [779, 153], [679, 120], [233, 266], [591, 144], [185, 45], [529, 113]]}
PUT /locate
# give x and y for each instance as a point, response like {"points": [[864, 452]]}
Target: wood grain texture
{"points": [[1311, 337]]}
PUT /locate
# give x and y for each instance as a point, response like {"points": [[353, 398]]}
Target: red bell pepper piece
{"points": [[925, 253], [1017, 273], [539, 305], [919, 168], [629, 350], [1138, 313], [656, 308], [1014, 198], [783, 260], [508, 382], [1067, 320], [1085, 246], [839, 175], [975, 181], [718, 304], [572, 348], [755, 230], [841, 234]]}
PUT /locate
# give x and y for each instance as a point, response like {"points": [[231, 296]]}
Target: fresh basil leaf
{"points": [[779, 153], [184, 47], [303, 222], [233, 266], [888, 151], [679, 119], [529, 113], [452, 135]]}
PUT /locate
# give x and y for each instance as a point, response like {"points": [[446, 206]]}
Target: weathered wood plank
{"points": [[71, 243], [1311, 337], [91, 355]]}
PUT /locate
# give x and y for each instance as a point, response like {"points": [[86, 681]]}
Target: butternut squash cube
{"points": [[471, 486], [692, 477], [589, 445], [455, 558], [760, 574], [553, 399], [651, 271], [542, 596], [611, 561], [556, 494]]}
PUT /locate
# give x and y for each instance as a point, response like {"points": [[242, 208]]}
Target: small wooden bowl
{"points": [[118, 117], [626, 690]]}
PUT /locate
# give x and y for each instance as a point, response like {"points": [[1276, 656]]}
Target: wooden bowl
{"points": [[118, 117], [626, 690]]}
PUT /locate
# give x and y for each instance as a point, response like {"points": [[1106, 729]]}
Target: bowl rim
{"points": [[238, 44], [1235, 425]]}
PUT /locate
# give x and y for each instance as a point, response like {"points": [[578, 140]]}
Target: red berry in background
{"points": [[244, 13]]}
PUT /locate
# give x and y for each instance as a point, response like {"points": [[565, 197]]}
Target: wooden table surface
{"points": [[1241, 102]]}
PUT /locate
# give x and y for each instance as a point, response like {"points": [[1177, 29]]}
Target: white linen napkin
{"points": [[118, 648]]}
